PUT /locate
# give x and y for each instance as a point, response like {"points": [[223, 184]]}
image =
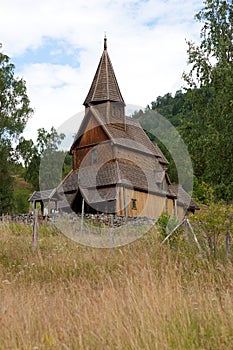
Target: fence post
{"points": [[82, 215], [228, 238], [125, 204], [186, 228], [112, 243], [35, 230]]}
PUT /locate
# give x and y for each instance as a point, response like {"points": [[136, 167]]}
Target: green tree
{"points": [[210, 86], [43, 158], [15, 111], [172, 108]]}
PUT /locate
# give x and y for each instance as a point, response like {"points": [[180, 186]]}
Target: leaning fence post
{"points": [[186, 228], [194, 236], [35, 230]]}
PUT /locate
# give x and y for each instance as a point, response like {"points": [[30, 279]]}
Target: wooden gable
{"points": [[90, 135], [90, 132], [93, 134]]}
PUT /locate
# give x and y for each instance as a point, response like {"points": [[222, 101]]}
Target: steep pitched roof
{"points": [[133, 136], [104, 86]]}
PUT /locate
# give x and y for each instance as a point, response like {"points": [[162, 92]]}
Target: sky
{"points": [[56, 45]]}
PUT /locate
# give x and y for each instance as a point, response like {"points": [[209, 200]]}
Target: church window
{"points": [[134, 204]]}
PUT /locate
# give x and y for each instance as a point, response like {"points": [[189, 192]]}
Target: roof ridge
{"points": [[97, 78]]}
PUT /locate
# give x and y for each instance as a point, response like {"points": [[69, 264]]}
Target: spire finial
{"points": [[105, 41]]}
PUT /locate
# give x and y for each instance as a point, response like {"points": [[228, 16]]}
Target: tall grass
{"points": [[141, 296]]}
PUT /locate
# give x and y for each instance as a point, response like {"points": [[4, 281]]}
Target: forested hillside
{"points": [[203, 110]]}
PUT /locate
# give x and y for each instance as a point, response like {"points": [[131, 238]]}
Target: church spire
{"points": [[105, 42], [104, 86]]}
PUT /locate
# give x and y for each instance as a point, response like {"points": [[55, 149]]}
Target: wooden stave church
{"points": [[116, 168]]}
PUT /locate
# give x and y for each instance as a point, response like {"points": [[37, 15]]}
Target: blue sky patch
{"points": [[152, 22], [53, 51]]}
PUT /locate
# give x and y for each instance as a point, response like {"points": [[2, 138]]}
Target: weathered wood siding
{"points": [[143, 160], [93, 134], [84, 156], [170, 206], [103, 109], [147, 204], [113, 112], [117, 115], [79, 155]]}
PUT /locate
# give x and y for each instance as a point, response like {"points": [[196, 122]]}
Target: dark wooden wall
{"points": [[93, 134]]}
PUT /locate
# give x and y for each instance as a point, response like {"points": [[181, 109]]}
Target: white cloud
{"points": [[146, 45], [53, 92]]}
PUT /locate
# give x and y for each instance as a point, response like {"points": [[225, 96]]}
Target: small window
{"points": [[94, 156], [134, 204]]}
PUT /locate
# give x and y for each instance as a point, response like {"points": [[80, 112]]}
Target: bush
{"points": [[165, 224]]}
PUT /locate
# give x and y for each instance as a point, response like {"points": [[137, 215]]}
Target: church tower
{"points": [[105, 94]]}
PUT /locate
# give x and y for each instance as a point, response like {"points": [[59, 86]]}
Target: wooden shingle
{"points": [[104, 86]]}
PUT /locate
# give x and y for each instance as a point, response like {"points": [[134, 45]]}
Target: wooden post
{"points": [[175, 208], [195, 237], [174, 230], [34, 206], [35, 230], [82, 217], [187, 224], [42, 208], [228, 238], [125, 204], [186, 228], [49, 207], [111, 232]]}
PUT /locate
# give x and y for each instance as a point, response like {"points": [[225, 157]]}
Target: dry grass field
{"points": [[140, 296]]}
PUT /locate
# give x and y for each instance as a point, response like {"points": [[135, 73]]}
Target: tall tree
{"points": [[14, 113], [42, 159], [210, 86]]}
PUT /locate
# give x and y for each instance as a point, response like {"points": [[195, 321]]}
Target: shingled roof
{"points": [[183, 197], [112, 173], [42, 195], [104, 86], [133, 136]]}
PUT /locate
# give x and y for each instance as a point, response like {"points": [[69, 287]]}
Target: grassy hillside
{"points": [[141, 296]]}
